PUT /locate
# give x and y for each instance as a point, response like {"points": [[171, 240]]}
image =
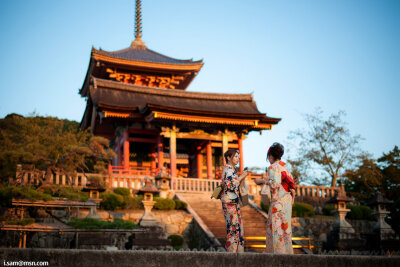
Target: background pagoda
{"points": [[137, 98]]}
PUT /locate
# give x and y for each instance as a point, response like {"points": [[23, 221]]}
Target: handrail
{"points": [[263, 238]]}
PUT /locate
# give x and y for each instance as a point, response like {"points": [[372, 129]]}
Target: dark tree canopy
{"points": [[51, 145]]}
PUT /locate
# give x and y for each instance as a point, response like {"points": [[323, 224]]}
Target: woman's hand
{"points": [[259, 181], [243, 176], [293, 194]]}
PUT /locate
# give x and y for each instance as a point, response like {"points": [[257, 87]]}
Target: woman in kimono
{"points": [[282, 192], [230, 202]]}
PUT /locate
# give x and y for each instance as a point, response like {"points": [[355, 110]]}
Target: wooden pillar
{"points": [[126, 149], [24, 240], [153, 159], [224, 146], [76, 240], [20, 240], [240, 143], [160, 152], [209, 160], [172, 152], [199, 157]]}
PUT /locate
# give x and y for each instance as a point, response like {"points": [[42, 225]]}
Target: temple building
{"points": [[138, 99]]}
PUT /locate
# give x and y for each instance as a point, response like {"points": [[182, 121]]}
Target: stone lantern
{"points": [[341, 226], [163, 180], [148, 218], [384, 230], [94, 190]]}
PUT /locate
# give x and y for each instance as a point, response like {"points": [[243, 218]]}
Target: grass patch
{"points": [[24, 221], [90, 223]]}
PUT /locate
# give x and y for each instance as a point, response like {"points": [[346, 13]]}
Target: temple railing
{"points": [[194, 185], [208, 186], [35, 178], [133, 170], [117, 177]]}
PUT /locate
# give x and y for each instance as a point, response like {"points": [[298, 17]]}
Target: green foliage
{"points": [[71, 193], [365, 181], [265, 207], [135, 203], [176, 241], [164, 203], [328, 210], [359, 213], [111, 201], [300, 209], [372, 176], [49, 144], [90, 223], [394, 217], [24, 221], [122, 191], [26, 192], [390, 166], [180, 205]]}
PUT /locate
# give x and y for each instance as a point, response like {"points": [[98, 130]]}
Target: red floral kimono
{"points": [[279, 228]]}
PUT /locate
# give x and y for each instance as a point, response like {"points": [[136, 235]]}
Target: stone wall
{"points": [[319, 228], [172, 221], [100, 258]]}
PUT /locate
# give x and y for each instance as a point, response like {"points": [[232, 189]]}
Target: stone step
{"points": [[210, 211]]}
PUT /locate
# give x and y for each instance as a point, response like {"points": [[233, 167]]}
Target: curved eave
{"points": [[159, 108], [196, 66]]}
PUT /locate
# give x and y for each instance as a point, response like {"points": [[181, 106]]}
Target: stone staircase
{"points": [[210, 211]]}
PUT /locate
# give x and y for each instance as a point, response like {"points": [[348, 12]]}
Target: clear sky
{"points": [[292, 55]]}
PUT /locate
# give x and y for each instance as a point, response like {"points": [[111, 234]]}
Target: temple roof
{"points": [[144, 54], [110, 94]]}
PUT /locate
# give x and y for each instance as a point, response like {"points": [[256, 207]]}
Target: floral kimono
{"points": [[231, 209], [279, 228]]}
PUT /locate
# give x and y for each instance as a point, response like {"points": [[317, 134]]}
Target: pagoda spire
{"points": [[138, 43]]}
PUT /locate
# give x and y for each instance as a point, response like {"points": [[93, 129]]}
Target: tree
{"points": [[49, 145], [390, 166], [364, 182], [325, 146], [372, 176]]}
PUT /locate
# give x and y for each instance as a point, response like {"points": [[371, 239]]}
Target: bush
{"points": [[180, 205], [164, 203], [265, 207], [71, 194], [24, 221], [328, 210], [300, 209], [90, 223], [122, 191], [111, 201], [7, 193], [135, 203], [176, 241], [359, 213]]}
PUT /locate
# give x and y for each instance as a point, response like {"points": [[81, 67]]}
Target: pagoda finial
{"points": [[138, 20], [138, 43]]}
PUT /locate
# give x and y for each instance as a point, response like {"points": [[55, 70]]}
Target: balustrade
{"points": [[119, 177]]}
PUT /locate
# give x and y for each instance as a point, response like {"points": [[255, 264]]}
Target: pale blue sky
{"points": [[293, 55]]}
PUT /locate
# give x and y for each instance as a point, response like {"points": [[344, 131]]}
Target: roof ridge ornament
{"points": [[138, 43]]}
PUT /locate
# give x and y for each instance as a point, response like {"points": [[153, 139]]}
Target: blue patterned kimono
{"points": [[231, 209]]}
